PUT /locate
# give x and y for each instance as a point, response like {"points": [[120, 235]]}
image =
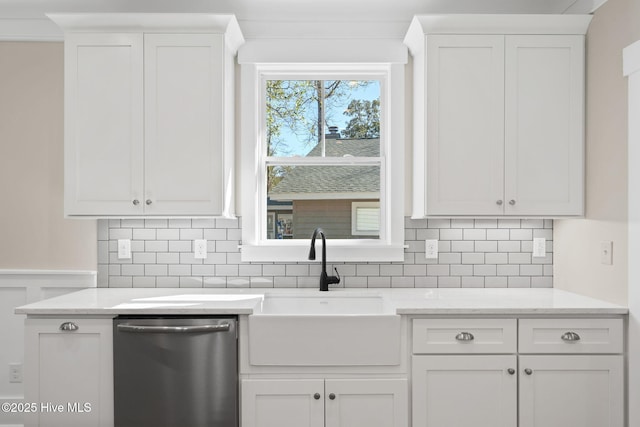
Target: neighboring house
{"points": [[343, 200]]}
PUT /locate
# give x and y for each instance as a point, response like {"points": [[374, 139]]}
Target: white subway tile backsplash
{"points": [[472, 253]]}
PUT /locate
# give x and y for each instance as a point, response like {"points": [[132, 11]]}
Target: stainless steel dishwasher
{"points": [[174, 371]]}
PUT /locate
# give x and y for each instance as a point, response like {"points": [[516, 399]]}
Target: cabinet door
{"points": [[465, 124], [69, 368], [571, 391], [371, 403], [103, 124], [184, 124], [464, 391], [544, 125], [282, 403]]}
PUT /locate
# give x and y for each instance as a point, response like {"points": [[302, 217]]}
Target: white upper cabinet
{"points": [[498, 115], [149, 102]]}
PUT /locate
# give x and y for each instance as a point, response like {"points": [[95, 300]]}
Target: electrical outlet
{"points": [[431, 249], [539, 247], [200, 249], [124, 249], [606, 252], [15, 372]]}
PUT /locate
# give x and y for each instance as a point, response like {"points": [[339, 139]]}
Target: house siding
{"points": [[333, 216]]}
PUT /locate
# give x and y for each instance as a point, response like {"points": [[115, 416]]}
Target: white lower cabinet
{"points": [[579, 383], [68, 372], [571, 391], [324, 403], [465, 391]]}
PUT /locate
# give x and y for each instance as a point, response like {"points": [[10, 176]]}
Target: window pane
{"points": [[302, 198], [296, 111]]}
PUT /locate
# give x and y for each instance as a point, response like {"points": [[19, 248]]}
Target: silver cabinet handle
{"points": [[528, 371], [465, 336], [124, 327], [332, 396], [136, 202], [570, 337], [316, 396], [148, 202], [511, 371], [499, 202], [512, 202], [69, 327]]}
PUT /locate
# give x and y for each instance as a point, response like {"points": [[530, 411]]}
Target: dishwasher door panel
{"points": [[175, 372]]}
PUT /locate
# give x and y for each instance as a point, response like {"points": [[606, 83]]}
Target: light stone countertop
{"points": [[406, 301]]}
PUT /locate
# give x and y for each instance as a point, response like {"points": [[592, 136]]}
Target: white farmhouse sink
{"points": [[324, 330]]}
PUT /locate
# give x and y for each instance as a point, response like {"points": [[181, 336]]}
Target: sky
{"points": [[298, 146]]}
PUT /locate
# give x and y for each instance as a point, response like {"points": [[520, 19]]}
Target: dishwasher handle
{"points": [[223, 327]]}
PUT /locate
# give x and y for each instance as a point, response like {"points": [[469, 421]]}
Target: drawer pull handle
{"points": [[332, 396], [316, 396], [465, 336], [570, 337], [528, 371], [511, 371], [69, 327]]}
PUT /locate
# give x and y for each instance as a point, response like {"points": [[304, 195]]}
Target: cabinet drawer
{"points": [[464, 336], [570, 336]]}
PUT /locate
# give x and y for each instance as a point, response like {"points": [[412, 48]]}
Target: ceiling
{"points": [[259, 16]]}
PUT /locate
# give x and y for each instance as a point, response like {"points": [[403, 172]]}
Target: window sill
{"points": [[337, 251]]}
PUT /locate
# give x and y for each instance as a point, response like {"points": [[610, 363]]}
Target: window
{"points": [[322, 141], [325, 139]]}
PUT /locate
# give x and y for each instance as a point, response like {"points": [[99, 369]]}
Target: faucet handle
{"points": [[332, 280], [337, 274]]}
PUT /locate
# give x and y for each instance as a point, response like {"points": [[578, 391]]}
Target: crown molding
{"points": [[30, 29]]}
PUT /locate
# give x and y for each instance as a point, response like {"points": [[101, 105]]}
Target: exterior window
{"points": [[323, 155], [365, 218]]}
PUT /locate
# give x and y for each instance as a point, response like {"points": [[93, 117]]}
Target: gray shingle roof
{"points": [[334, 179]]}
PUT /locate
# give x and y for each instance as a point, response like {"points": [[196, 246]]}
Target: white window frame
{"points": [[255, 246]]}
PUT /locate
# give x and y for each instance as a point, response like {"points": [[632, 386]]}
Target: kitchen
{"points": [[36, 237]]}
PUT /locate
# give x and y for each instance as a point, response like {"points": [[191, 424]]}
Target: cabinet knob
{"points": [[69, 327], [511, 371], [316, 396], [136, 202], [499, 202], [512, 202], [528, 371], [332, 396], [570, 337], [148, 202], [465, 336]]}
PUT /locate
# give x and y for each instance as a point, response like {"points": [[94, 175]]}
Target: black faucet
{"points": [[325, 280]]}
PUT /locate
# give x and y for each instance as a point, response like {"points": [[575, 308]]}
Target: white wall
{"points": [[33, 232], [577, 265]]}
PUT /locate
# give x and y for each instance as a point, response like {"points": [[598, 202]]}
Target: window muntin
{"points": [[313, 171]]}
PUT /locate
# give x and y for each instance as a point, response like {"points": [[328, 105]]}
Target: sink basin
{"points": [[321, 305], [324, 330]]}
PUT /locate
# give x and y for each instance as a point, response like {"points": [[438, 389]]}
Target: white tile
{"points": [[426, 282], [350, 282], [103, 229], [519, 282], [531, 270], [428, 234], [114, 270], [486, 223], [474, 234], [191, 282], [168, 258], [508, 223], [120, 282], [484, 270], [519, 258], [297, 270], [548, 259], [238, 282], [285, 282], [250, 270], [462, 246], [345, 269], [391, 270], [461, 270], [379, 282], [495, 282], [402, 282], [544, 233], [103, 252], [179, 246], [451, 234], [167, 282], [368, 270], [473, 258], [215, 234], [414, 246], [219, 258], [132, 270], [168, 234], [472, 282], [486, 246], [273, 270], [191, 233], [498, 234], [114, 223], [136, 246], [409, 258], [155, 223], [509, 246], [227, 246], [203, 223], [548, 270], [439, 223], [548, 223], [203, 270], [227, 270], [532, 223], [144, 282], [179, 223], [542, 282], [462, 223], [144, 258], [156, 270], [113, 259], [497, 258], [227, 223], [189, 258], [132, 223], [409, 234], [508, 270], [156, 246], [214, 282], [179, 270], [234, 234], [437, 270], [444, 246], [450, 258], [521, 234], [120, 233], [415, 270], [449, 282], [261, 282]]}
